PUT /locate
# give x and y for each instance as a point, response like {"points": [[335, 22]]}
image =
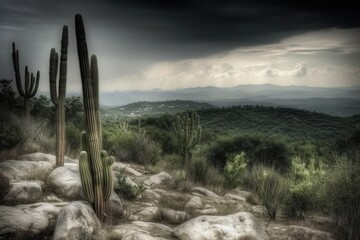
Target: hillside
{"points": [[295, 125], [156, 108]]}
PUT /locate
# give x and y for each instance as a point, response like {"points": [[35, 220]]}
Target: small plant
{"points": [[235, 169], [271, 187], [127, 190], [4, 186]]}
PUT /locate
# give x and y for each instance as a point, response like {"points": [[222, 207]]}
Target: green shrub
{"points": [[343, 192], [300, 200], [4, 186], [271, 187], [10, 131], [131, 147], [126, 190], [198, 169], [235, 169]]}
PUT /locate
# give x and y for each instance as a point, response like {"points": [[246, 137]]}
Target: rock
{"points": [[39, 156], [204, 192], [77, 220], [235, 197], [244, 194], [258, 211], [193, 204], [162, 179], [115, 207], [24, 191], [26, 170], [241, 225], [173, 216], [141, 230], [121, 167], [147, 214], [151, 195], [299, 232], [28, 219], [208, 211], [65, 181]]}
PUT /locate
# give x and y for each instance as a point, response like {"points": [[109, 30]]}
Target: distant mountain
{"points": [[334, 101]]}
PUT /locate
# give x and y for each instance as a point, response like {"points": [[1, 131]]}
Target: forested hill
{"points": [[293, 124]]}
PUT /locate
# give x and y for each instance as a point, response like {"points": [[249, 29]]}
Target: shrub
{"points": [[300, 200], [127, 190], [343, 192], [198, 168], [235, 169], [10, 130], [134, 147], [271, 187], [4, 186]]}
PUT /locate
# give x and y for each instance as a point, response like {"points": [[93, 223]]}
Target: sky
{"points": [[168, 44]]}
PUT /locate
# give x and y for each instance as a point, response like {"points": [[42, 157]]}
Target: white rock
{"points": [[208, 211], [141, 230], [241, 225], [39, 156], [205, 192], [173, 216], [76, 221], [235, 197], [65, 181], [300, 232], [24, 191], [193, 204], [162, 179], [121, 167], [147, 214], [30, 218], [26, 170], [244, 194]]}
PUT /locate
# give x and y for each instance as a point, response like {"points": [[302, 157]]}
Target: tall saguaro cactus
{"points": [[95, 165], [188, 132], [31, 84], [58, 95]]}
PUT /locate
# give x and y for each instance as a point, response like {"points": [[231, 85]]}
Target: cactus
{"points": [[58, 97], [188, 132], [95, 165], [31, 84]]}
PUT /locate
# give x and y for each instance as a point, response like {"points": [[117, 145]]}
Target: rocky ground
{"points": [[46, 202]]}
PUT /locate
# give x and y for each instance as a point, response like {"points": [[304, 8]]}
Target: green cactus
{"points": [[188, 132], [94, 164], [31, 84], [58, 97]]}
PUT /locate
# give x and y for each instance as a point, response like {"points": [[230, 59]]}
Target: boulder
{"points": [[121, 167], [65, 181], [235, 197], [206, 193], [77, 220], [162, 179], [241, 225], [147, 214], [244, 194], [30, 219], [24, 191], [299, 232], [173, 216], [193, 204], [39, 156], [26, 170], [140, 230]]}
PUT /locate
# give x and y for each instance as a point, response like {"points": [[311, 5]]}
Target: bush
{"points": [[198, 168], [10, 130], [131, 147], [268, 152], [4, 186], [235, 169], [306, 188], [271, 187], [343, 193], [126, 190]]}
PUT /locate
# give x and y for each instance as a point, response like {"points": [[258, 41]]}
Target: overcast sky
{"points": [[144, 44]]}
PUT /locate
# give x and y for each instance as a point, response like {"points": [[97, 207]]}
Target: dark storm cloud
{"points": [[141, 32]]}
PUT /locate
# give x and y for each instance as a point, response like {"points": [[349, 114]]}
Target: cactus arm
{"points": [[53, 73], [95, 88], [15, 55], [108, 178], [63, 63], [86, 177]]}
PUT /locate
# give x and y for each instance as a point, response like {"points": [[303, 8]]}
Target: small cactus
{"points": [[31, 84], [188, 132], [58, 96]]}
